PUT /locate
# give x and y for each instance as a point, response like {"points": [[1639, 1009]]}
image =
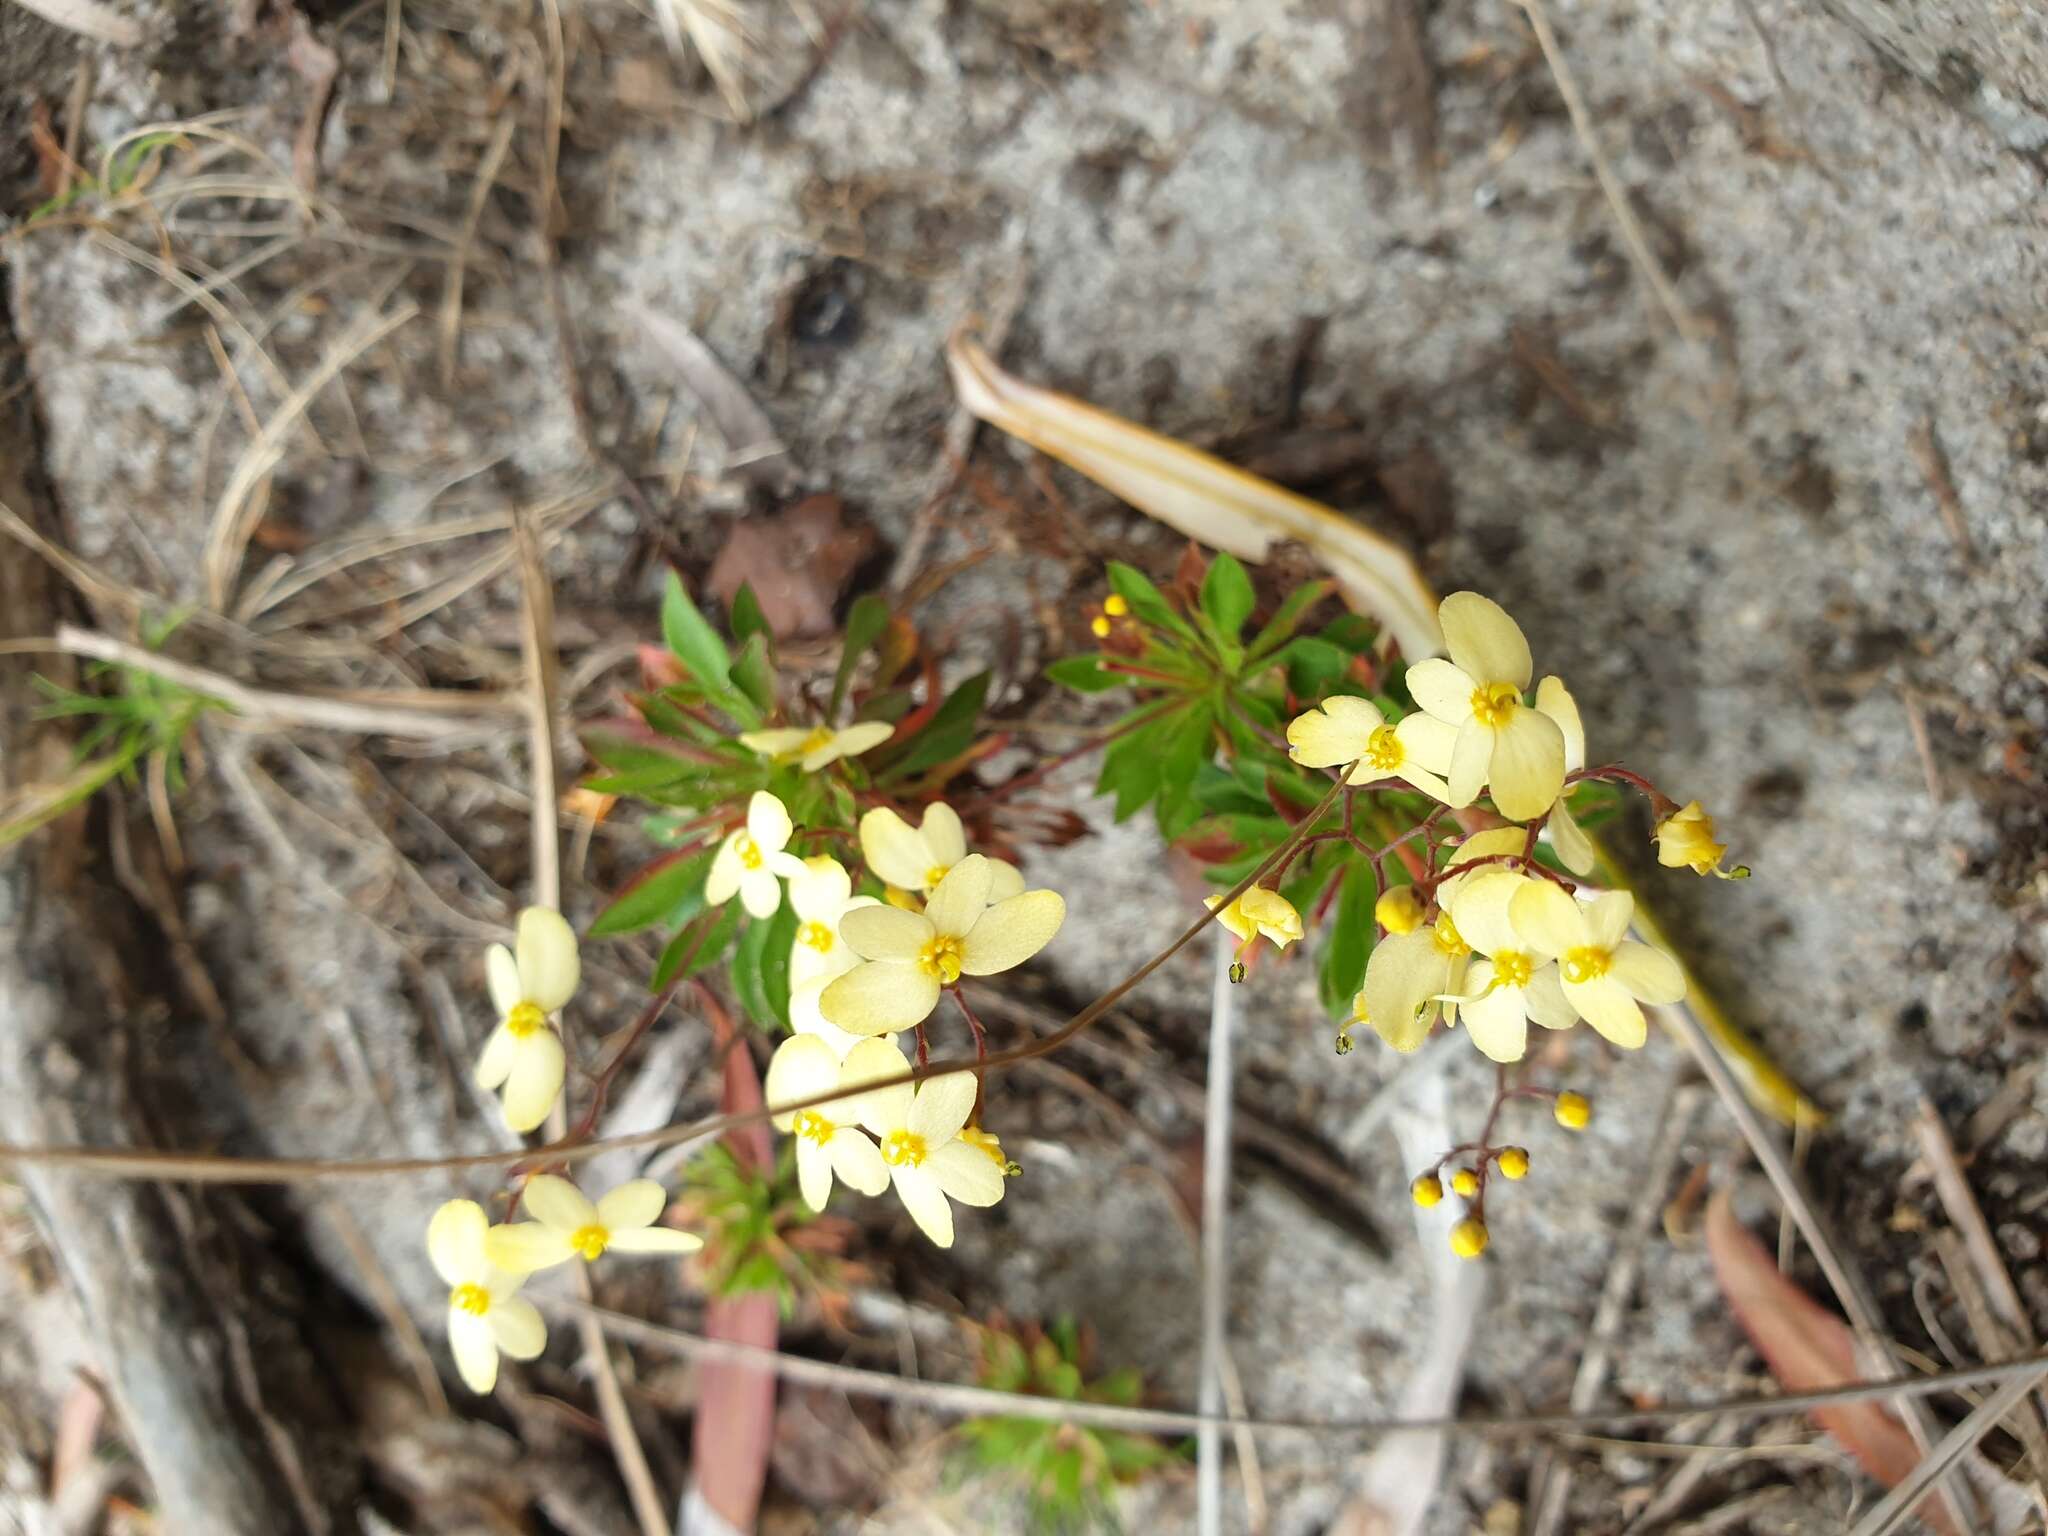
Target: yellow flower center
{"points": [[1511, 968], [936, 873], [748, 850], [1494, 704], [811, 1124], [983, 1142], [1384, 751], [817, 936], [904, 1149], [941, 958], [1586, 963], [473, 1299], [590, 1241], [1447, 938], [525, 1019], [821, 737]]}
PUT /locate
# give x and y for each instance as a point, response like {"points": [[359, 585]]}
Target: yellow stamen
{"points": [[1511, 968], [473, 1299], [524, 1019], [821, 737], [1384, 751], [904, 1149], [1495, 704], [748, 850], [590, 1241], [935, 873], [941, 958], [817, 936], [1586, 963], [809, 1123], [990, 1146], [1448, 940]]}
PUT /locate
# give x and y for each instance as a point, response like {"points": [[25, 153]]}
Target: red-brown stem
{"points": [[601, 1089], [1661, 804], [980, 1047]]}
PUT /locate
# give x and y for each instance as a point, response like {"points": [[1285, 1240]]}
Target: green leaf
{"points": [[1289, 614], [1227, 595], [1314, 666], [1085, 674], [1191, 745], [755, 674], [864, 625], [1133, 586], [660, 895], [759, 1272], [746, 617], [698, 946], [1348, 944], [948, 733], [690, 636], [1131, 767], [760, 969]]}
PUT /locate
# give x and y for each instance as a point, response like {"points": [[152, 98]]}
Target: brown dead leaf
{"points": [[797, 561], [1809, 1349]]}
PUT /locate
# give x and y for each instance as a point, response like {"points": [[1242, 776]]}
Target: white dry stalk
{"points": [[88, 18], [718, 30], [1223, 1012]]}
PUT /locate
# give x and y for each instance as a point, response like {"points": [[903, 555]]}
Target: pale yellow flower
{"points": [[915, 859], [1685, 840], [1399, 910], [524, 1054], [829, 1140], [1605, 975], [922, 1147], [1407, 980], [751, 860], [1516, 980], [1501, 743], [1258, 913], [566, 1223], [910, 956], [817, 746], [818, 956], [1352, 730], [486, 1314], [1574, 848]]}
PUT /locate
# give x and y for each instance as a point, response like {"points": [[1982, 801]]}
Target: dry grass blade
{"points": [[451, 293], [1966, 1217], [1896, 1508], [754, 452], [88, 18], [1223, 1015], [718, 30]]}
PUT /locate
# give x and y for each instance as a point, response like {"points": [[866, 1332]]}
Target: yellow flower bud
{"points": [[1399, 910], [1514, 1162], [1465, 1183], [1115, 606], [1426, 1191], [1099, 627], [1573, 1110], [1685, 840], [1468, 1238]]}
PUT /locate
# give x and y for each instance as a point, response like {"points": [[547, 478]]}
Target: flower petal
{"points": [[1471, 757], [1442, 689], [1483, 641], [726, 869], [944, 838], [1479, 908], [501, 971], [1574, 848], [1548, 919], [813, 1173], [1527, 771], [760, 893], [942, 1106], [1428, 740], [886, 933], [881, 1110], [455, 1241], [535, 1080], [1404, 973], [1547, 1003], [768, 822], [858, 1162], [654, 1240], [957, 901], [1556, 701], [1608, 917], [557, 1202], [880, 997], [522, 1247], [1648, 972], [776, 743], [517, 1328], [1004, 881], [894, 849], [863, 737], [926, 1202], [548, 966], [1498, 1023], [820, 893], [1337, 732], [474, 1349], [966, 1173], [1606, 1005], [635, 1203], [495, 1064], [802, 1067], [1011, 932], [805, 1018]]}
